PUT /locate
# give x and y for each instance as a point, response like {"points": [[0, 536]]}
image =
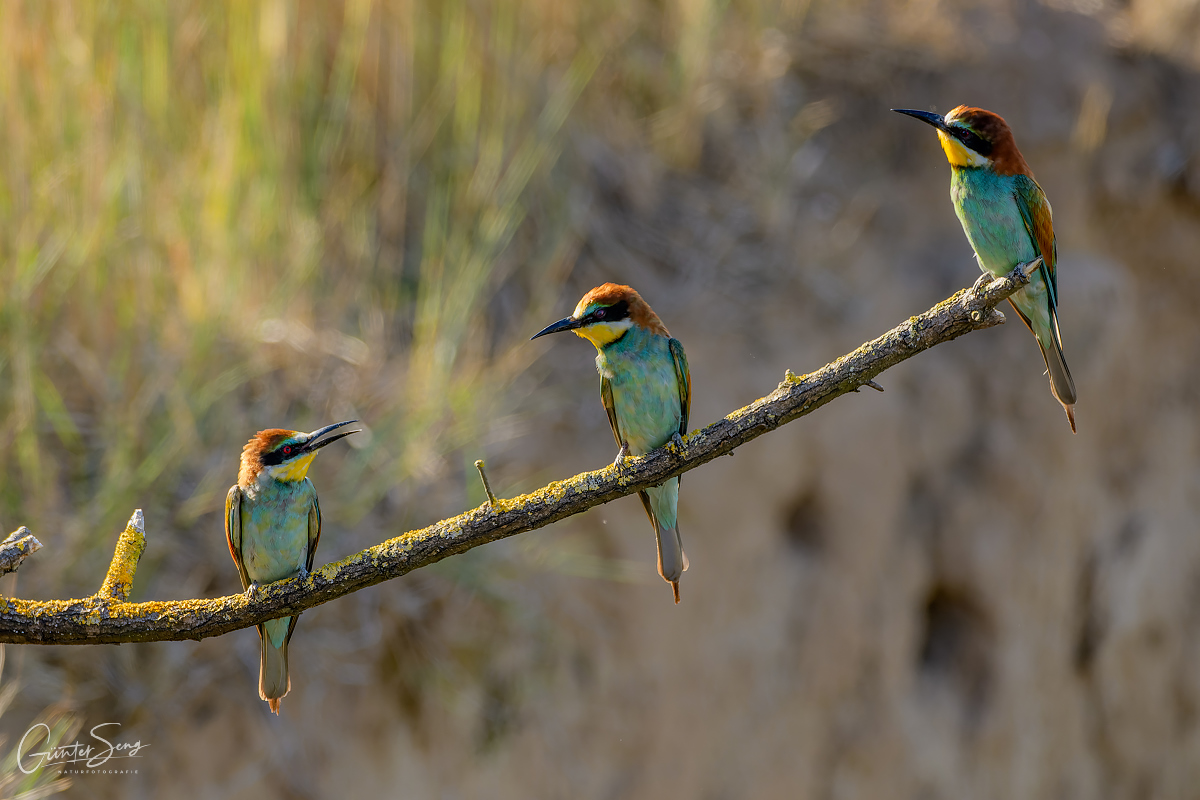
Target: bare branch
{"points": [[98, 620], [19, 545], [487, 487]]}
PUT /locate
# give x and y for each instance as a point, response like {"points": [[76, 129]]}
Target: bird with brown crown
{"points": [[272, 526], [646, 389], [1007, 220]]}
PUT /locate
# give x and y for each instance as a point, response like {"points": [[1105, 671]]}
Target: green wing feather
{"points": [[233, 531], [1036, 213], [684, 377], [314, 529], [606, 397]]}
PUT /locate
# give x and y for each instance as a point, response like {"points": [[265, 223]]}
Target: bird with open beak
{"points": [[273, 525]]}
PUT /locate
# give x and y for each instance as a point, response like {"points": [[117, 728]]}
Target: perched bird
{"points": [[1006, 217], [273, 524], [647, 391]]}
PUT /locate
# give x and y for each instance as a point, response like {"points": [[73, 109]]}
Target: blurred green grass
{"points": [[226, 216], [221, 217]]}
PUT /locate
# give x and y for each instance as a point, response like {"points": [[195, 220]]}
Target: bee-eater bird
{"points": [[273, 524], [1006, 217], [647, 391]]}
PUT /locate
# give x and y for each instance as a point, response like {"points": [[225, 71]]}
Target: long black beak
{"points": [[566, 324], [936, 120], [313, 445]]}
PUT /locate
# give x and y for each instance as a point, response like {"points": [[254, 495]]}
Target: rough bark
{"points": [[19, 545], [106, 617]]}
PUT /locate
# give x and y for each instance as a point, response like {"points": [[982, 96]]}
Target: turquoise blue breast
{"points": [[987, 208], [275, 529], [645, 388]]}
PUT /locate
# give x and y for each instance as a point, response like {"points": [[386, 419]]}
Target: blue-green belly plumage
{"points": [[987, 208]]}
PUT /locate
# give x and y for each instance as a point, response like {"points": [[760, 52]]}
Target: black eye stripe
{"points": [[613, 313], [277, 456], [973, 141]]}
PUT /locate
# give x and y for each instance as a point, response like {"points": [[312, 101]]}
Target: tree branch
{"points": [[19, 545], [106, 617]]}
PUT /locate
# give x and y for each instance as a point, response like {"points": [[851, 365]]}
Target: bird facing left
{"points": [[1007, 220], [646, 389], [273, 525]]}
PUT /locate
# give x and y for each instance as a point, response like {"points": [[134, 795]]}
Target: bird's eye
{"points": [[600, 313], [287, 449]]}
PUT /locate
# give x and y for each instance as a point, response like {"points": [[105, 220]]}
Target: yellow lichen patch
{"points": [[551, 492], [329, 571], [154, 608], [132, 543]]}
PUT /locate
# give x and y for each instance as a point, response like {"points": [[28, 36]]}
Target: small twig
{"points": [[16, 548], [487, 487], [130, 546], [871, 384]]}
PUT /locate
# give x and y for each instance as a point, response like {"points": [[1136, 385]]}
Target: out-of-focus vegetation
{"points": [[226, 216], [223, 217], [220, 217], [32, 778]]}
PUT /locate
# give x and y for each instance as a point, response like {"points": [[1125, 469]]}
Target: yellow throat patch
{"points": [[295, 470], [603, 333], [958, 154]]}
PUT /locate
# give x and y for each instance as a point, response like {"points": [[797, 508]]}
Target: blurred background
{"points": [[221, 217]]}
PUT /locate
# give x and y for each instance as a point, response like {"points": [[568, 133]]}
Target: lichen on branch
{"points": [[130, 545]]}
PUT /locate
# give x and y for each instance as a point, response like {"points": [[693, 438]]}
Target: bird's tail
{"points": [[273, 680], [662, 505], [1061, 383], [672, 561]]}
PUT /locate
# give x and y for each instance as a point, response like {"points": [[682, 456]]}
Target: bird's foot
{"points": [[304, 573], [677, 440], [1023, 271], [251, 590], [624, 451]]}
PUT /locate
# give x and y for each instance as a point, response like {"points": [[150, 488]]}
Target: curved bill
{"points": [[312, 444], [936, 120], [566, 324]]}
